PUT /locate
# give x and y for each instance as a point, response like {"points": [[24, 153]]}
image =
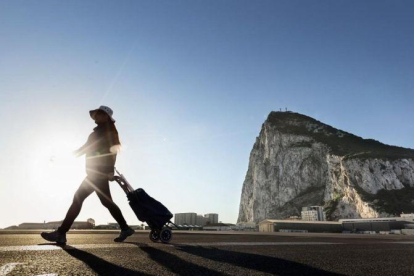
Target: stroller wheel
{"points": [[154, 235], [166, 235]]}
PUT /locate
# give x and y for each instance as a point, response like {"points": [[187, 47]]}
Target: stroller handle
{"points": [[120, 178]]}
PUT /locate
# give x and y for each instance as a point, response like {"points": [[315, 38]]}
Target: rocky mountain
{"points": [[298, 161]]}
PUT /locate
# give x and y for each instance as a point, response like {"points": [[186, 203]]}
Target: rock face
{"points": [[297, 161]]}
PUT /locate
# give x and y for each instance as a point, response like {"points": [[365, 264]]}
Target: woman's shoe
{"points": [[124, 234], [54, 236]]}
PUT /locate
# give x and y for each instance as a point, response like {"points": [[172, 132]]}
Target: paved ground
{"points": [[192, 253]]}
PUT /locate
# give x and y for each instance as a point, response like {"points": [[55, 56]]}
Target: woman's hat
{"points": [[105, 109]]}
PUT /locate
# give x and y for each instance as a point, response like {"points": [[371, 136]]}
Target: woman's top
{"points": [[100, 150]]}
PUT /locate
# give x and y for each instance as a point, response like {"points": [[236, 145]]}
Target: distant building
{"points": [[110, 226], [55, 225], [185, 219], [390, 225], [273, 225], [32, 225], [137, 227], [91, 221], [220, 227], [200, 220], [105, 227], [13, 227], [247, 226], [195, 220], [407, 216], [114, 225], [211, 218], [376, 225], [313, 213]]}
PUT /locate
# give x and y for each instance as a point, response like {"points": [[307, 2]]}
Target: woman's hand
{"points": [[111, 177]]}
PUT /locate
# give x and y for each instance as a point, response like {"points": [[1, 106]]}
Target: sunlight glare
{"points": [[54, 166]]}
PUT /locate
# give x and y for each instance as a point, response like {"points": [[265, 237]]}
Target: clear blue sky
{"points": [[190, 82]]}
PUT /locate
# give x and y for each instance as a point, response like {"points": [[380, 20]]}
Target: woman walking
{"points": [[100, 150]]}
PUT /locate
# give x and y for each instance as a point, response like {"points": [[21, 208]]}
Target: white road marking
{"points": [[7, 268], [57, 247], [406, 242], [255, 243], [129, 245]]}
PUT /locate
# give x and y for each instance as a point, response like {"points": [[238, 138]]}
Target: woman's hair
{"points": [[115, 135]]}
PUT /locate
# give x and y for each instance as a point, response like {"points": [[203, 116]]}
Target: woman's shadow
{"points": [[98, 265], [178, 265], [167, 260]]}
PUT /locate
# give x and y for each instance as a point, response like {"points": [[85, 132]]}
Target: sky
{"points": [[190, 83]]}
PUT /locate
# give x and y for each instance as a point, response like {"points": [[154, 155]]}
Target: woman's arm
{"points": [[85, 148], [80, 151]]}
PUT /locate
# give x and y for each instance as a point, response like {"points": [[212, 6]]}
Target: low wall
{"points": [[407, 231]]}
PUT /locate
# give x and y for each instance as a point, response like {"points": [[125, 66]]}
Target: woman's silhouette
{"points": [[100, 150]]}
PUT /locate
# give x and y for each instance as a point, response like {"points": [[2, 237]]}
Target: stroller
{"points": [[148, 210]]}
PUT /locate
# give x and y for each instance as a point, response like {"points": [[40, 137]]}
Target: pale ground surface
{"points": [[211, 253]]}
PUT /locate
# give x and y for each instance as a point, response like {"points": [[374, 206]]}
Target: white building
{"points": [[185, 219], [200, 220], [313, 213], [195, 220], [210, 218], [407, 216]]}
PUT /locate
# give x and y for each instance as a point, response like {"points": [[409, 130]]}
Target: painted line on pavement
{"points": [[7, 268], [253, 243], [45, 247]]}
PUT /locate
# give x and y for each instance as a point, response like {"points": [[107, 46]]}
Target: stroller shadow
{"points": [[98, 265], [260, 263], [174, 263]]}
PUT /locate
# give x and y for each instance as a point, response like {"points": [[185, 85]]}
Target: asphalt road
{"points": [[200, 253]]}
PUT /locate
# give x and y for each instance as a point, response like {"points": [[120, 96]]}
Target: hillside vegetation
{"points": [[340, 142]]}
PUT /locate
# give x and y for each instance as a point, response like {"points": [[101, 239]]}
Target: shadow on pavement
{"points": [[98, 265], [174, 263], [261, 263]]}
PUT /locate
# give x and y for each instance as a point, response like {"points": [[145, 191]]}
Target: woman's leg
{"points": [[104, 194], [84, 190]]}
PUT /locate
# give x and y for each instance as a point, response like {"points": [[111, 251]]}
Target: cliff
{"points": [[298, 161]]}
